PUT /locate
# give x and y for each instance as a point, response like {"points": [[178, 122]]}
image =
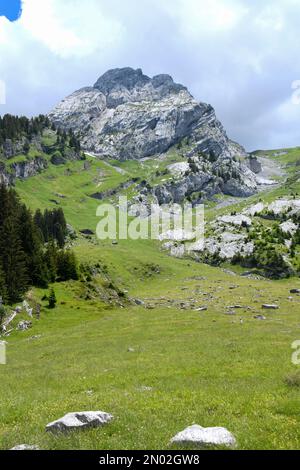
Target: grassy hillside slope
{"points": [[157, 368]]}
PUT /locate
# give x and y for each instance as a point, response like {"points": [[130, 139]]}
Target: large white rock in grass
{"points": [[255, 209], [204, 437], [25, 447], [270, 307], [80, 420]]}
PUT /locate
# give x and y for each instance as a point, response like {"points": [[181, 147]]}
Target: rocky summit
{"points": [[127, 115]]}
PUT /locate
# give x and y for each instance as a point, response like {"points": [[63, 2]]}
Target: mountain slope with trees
{"points": [[28, 146], [31, 247]]}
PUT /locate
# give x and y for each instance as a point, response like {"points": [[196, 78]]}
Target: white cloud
{"points": [[69, 29], [198, 17], [239, 55], [271, 18]]}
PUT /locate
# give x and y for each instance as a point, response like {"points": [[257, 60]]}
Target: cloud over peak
{"points": [[239, 55]]}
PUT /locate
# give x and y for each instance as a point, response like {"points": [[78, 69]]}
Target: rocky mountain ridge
{"points": [[157, 113], [127, 115]]}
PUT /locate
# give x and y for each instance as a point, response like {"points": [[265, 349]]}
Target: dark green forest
{"points": [[16, 128], [32, 247]]}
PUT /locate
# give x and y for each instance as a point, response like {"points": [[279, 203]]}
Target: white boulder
{"points": [[80, 420], [204, 437], [25, 447]]}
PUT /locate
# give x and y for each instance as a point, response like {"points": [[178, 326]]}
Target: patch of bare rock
{"points": [[80, 420], [204, 437]]}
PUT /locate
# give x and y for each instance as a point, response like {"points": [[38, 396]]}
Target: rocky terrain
{"points": [[127, 115], [191, 326], [19, 162]]}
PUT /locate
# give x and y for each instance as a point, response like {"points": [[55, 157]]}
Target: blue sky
{"points": [[242, 56], [11, 9]]}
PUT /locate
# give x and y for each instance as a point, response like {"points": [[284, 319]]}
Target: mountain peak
{"points": [[125, 77], [131, 79]]}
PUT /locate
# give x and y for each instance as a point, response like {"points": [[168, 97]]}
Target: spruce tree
{"points": [[32, 247], [67, 266], [3, 290], [13, 261], [52, 299], [51, 261]]}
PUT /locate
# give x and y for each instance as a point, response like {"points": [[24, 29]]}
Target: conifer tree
{"points": [[51, 261], [3, 290], [52, 299], [32, 247], [67, 266], [13, 261]]}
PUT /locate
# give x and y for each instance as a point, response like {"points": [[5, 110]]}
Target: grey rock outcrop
{"points": [[254, 164], [79, 420], [21, 170], [128, 115], [207, 178]]}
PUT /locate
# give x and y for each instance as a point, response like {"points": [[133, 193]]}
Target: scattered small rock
{"points": [[228, 271], [295, 291], [79, 420], [33, 338], [270, 307], [204, 437], [201, 309], [259, 317], [87, 232], [25, 447], [145, 389], [24, 325]]}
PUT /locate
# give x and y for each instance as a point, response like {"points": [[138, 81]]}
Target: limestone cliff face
{"points": [[21, 170], [127, 115]]}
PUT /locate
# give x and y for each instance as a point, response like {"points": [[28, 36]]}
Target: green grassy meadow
{"points": [[157, 368]]}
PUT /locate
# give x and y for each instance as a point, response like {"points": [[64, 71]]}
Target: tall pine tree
{"points": [[13, 260]]}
